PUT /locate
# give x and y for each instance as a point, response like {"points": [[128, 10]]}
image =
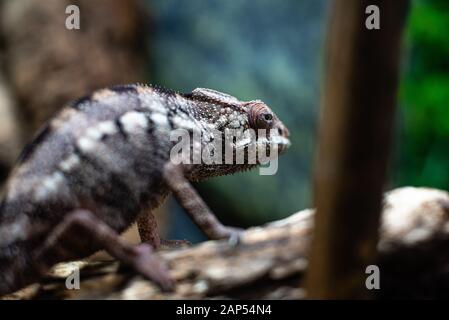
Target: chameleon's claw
{"points": [[235, 236], [146, 263]]}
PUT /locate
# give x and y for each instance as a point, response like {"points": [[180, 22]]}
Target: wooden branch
{"points": [[359, 100], [271, 260]]}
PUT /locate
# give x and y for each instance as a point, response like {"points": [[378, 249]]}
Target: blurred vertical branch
{"points": [[358, 104]]}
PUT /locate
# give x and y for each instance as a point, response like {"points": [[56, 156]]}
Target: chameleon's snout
{"points": [[283, 140], [283, 131]]}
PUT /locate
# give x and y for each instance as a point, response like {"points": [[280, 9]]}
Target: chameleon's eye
{"points": [[260, 117], [267, 116], [264, 120]]}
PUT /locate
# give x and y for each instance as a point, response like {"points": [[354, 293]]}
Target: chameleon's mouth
{"points": [[281, 138], [283, 143], [278, 143]]}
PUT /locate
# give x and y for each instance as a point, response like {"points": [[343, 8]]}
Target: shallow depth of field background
{"points": [[253, 50], [261, 49], [273, 51]]}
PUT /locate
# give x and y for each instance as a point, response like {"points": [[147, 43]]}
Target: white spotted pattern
{"points": [[50, 185], [159, 119], [69, 163], [134, 121], [87, 144], [89, 141], [107, 127]]}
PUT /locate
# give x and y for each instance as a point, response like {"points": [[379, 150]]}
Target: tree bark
{"points": [[271, 260]]}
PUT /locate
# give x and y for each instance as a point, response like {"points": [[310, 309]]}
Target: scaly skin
{"points": [[102, 163]]}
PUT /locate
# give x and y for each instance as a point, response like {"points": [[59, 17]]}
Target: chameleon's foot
{"points": [[145, 262], [175, 244], [234, 236]]}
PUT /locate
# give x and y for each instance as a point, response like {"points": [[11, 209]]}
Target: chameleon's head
{"points": [[260, 117], [254, 125]]}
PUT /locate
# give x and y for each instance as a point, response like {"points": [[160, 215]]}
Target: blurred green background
{"points": [[272, 50], [422, 149]]}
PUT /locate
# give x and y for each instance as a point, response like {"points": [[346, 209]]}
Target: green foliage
{"points": [[424, 132]]}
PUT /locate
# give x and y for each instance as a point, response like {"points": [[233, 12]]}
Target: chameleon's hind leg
{"points": [[195, 207], [140, 257], [148, 232]]}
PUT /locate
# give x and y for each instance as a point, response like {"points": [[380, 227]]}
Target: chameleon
{"points": [[101, 164]]}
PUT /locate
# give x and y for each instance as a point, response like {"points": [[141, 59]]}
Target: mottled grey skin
{"points": [[104, 153]]}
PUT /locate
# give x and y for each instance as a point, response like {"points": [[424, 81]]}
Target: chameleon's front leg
{"points": [[194, 205], [140, 257], [148, 232]]}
